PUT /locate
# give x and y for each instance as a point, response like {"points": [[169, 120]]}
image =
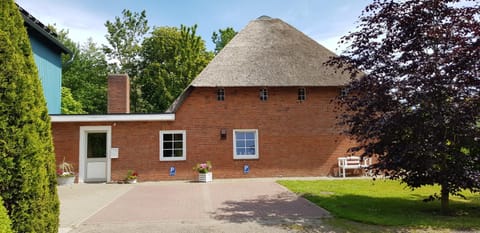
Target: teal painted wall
{"points": [[49, 64]]}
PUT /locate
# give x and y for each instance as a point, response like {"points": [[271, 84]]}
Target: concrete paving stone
{"points": [[221, 206]]}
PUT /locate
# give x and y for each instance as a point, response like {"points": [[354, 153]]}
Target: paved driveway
{"points": [[220, 206]]}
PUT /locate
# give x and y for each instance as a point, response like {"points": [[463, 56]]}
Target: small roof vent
{"points": [[264, 17]]}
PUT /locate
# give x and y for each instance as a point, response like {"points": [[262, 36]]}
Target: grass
{"points": [[388, 203]]}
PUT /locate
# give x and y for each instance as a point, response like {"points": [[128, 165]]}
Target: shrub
{"points": [[27, 162], [5, 223]]}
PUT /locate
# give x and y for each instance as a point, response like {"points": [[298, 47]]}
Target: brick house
{"points": [[263, 103]]}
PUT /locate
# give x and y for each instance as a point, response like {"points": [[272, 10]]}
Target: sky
{"points": [[326, 21]]}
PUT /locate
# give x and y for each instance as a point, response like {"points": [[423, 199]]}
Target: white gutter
{"points": [[112, 117]]}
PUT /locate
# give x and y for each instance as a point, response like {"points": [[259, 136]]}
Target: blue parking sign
{"points": [[246, 169], [172, 171]]}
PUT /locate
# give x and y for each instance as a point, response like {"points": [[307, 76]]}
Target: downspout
{"points": [[72, 57]]}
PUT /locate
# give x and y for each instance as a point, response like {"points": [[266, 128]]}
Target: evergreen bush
{"points": [[5, 223], [27, 161]]}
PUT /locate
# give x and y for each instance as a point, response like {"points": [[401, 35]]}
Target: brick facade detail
{"points": [[296, 138], [118, 93]]}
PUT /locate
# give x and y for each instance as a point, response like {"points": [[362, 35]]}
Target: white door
{"points": [[94, 153], [96, 170]]}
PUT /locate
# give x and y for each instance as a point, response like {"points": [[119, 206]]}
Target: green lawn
{"points": [[388, 203]]}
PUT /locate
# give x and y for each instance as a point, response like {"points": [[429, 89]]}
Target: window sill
{"points": [[240, 157], [172, 159]]}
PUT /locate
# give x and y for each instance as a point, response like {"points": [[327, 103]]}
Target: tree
{"points": [[5, 223], [125, 36], [417, 104], [69, 104], [173, 57], [86, 76], [154, 91], [27, 161], [222, 38]]}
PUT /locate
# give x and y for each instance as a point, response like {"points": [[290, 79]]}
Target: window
{"points": [[172, 145], [263, 94], [343, 92], [221, 94], [96, 145], [301, 94], [245, 143]]}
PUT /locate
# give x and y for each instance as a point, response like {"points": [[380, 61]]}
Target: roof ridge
{"points": [[270, 52], [264, 17]]}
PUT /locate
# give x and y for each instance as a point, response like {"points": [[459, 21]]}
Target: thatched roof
{"points": [[270, 52]]}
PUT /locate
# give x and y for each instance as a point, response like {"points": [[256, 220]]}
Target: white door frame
{"points": [[84, 130]]}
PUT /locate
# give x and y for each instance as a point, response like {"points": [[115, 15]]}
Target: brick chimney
{"points": [[118, 93]]}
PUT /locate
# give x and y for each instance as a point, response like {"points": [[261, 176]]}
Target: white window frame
{"points": [[302, 94], [184, 145], [221, 94], [256, 155], [263, 94]]}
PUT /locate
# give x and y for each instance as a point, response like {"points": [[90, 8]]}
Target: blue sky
{"points": [[323, 20]]}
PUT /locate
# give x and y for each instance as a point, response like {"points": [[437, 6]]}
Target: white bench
{"points": [[352, 163]]}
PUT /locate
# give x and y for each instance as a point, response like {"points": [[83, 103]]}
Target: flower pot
{"points": [[65, 180], [132, 181], [205, 177]]}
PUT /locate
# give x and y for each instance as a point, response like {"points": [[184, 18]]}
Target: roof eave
{"points": [[272, 85], [112, 118], [180, 99], [27, 19]]}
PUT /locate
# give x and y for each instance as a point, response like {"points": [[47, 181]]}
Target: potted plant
{"points": [[204, 171], [65, 174], [131, 177]]}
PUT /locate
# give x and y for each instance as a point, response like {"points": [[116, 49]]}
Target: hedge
{"points": [[5, 223], [27, 161]]}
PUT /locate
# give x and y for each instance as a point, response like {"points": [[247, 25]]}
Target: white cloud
{"points": [[331, 39], [331, 43], [81, 23]]}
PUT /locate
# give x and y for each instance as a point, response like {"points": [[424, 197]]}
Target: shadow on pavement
{"points": [[282, 208]]}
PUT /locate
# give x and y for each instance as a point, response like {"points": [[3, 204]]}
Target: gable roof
{"points": [[38, 28], [270, 52]]}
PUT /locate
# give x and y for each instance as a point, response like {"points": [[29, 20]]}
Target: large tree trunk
{"points": [[445, 199]]}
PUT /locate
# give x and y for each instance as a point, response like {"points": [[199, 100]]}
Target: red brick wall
{"points": [[295, 138], [118, 93]]}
